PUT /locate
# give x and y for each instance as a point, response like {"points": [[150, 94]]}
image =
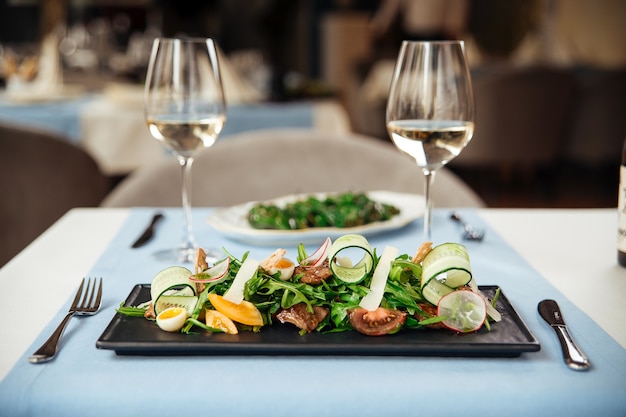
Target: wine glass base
{"points": [[186, 255]]}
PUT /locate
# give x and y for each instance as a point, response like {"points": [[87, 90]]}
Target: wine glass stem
{"points": [[429, 177], [188, 239]]}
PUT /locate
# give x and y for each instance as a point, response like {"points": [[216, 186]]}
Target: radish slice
{"points": [[465, 311], [247, 270], [217, 273], [372, 300], [319, 256]]}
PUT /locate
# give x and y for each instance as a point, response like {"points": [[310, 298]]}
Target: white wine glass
{"points": [[185, 110], [430, 109]]}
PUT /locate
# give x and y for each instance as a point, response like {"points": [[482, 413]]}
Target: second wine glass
{"points": [[430, 110], [185, 110]]}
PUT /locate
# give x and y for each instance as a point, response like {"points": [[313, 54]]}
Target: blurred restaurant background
{"points": [[549, 79]]}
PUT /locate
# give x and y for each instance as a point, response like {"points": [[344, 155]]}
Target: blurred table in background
{"points": [[110, 124]]}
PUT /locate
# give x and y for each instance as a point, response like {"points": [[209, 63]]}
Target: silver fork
{"points": [[87, 306], [469, 232]]}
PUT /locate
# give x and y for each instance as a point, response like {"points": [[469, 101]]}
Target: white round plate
{"points": [[232, 222]]}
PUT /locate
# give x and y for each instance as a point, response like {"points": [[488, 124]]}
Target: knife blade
{"points": [[147, 234], [574, 357]]}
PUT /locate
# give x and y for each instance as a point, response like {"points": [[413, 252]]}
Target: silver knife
{"points": [[574, 357], [148, 233]]}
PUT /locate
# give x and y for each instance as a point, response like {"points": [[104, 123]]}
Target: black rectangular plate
{"points": [[137, 336]]}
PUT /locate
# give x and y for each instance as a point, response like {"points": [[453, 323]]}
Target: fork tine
{"points": [[96, 305], [79, 292], [92, 292], [81, 304]]}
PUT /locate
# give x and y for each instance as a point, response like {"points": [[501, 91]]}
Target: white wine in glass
{"points": [[430, 110], [185, 109]]}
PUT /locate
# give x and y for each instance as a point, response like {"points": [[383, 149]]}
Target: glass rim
{"points": [[191, 39], [436, 42]]}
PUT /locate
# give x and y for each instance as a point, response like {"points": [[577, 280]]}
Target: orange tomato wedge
{"points": [[217, 320], [244, 312]]}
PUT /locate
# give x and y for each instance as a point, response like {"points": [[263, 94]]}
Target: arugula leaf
{"points": [[198, 323], [131, 311]]}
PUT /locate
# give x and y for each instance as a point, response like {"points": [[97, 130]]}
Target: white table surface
{"points": [[573, 249]]}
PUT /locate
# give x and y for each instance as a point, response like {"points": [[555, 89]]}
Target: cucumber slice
{"points": [[372, 300], [188, 302], [465, 311], [448, 263], [342, 267], [434, 291], [172, 281], [170, 278]]}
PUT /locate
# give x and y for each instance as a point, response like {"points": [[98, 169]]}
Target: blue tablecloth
{"points": [[61, 117], [64, 116], [86, 381], [242, 118]]}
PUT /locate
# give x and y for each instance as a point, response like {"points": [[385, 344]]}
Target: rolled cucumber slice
{"points": [[171, 281], [449, 264], [434, 290], [169, 278], [188, 302], [343, 268]]}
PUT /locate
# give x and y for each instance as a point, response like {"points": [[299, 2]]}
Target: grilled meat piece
{"points": [[314, 275], [201, 265], [150, 313], [301, 318], [431, 311]]}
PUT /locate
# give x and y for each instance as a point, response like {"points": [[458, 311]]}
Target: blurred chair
{"points": [[43, 176], [521, 118], [598, 127], [266, 164]]}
